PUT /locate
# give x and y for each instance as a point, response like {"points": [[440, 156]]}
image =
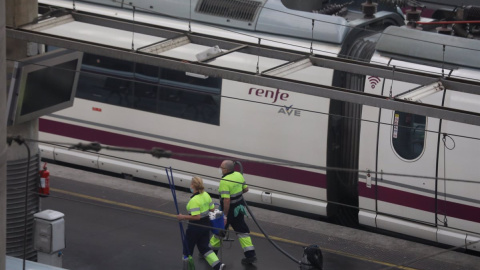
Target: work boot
{"points": [[249, 260]]}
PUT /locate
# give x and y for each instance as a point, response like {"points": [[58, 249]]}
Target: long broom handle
{"points": [[172, 188]]}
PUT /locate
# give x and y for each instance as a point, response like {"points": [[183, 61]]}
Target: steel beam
{"points": [[347, 65], [252, 78]]}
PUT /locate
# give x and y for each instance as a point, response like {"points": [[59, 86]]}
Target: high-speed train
{"points": [[391, 170]]}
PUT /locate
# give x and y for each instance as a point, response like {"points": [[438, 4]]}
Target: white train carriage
{"points": [[442, 204], [293, 137]]}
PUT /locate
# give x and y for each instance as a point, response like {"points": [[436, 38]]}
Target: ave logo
{"points": [[289, 111], [273, 96]]}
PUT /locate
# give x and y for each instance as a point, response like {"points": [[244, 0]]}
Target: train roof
{"points": [[329, 25], [97, 34], [412, 43]]}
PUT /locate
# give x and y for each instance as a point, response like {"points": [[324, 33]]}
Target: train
{"points": [[353, 164]]}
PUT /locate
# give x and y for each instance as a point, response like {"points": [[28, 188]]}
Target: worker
{"points": [[231, 189], [199, 206]]}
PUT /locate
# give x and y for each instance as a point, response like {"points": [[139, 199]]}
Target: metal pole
{"points": [[3, 136]]}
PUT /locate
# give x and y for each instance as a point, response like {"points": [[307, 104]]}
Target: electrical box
{"points": [[267, 197], [49, 231]]}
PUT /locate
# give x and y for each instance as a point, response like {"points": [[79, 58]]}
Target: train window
{"points": [[106, 80], [146, 88], [149, 88], [408, 134], [190, 96]]}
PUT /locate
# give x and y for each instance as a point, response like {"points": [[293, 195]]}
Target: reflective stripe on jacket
{"points": [[232, 186], [200, 204]]}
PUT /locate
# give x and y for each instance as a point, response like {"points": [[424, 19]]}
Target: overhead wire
{"points": [[158, 152]]}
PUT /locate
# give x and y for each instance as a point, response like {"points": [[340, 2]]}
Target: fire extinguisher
{"points": [[44, 187]]}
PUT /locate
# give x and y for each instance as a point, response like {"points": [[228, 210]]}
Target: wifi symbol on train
{"points": [[373, 81]]}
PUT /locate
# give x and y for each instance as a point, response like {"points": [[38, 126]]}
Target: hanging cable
{"points": [[445, 148], [443, 62], [19, 140], [162, 153], [299, 262], [190, 18], [133, 31], [258, 56], [390, 95], [311, 41]]}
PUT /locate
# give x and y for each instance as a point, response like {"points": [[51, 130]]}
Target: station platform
{"points": [[114, 223]]}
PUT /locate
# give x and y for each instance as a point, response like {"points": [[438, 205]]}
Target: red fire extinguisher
{"points": [[44, 187]]}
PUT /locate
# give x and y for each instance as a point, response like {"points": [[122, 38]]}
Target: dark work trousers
{"points": [[198, 236], [239, 226]]}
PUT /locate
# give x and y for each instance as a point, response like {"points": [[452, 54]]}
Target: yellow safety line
{"points": [[252, 233], [334, 251], [113, 202]]}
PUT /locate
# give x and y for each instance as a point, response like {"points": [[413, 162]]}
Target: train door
{"points": [[407, 160], [458, 204], [343, 141]]}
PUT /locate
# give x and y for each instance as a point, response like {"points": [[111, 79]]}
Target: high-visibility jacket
{"points": [[200, 204], [232, 186]]}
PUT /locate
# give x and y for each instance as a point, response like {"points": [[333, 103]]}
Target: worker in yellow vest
{"points": [[198, 207], [231, 189]]}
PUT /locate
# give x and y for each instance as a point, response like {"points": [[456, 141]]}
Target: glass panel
{"points": [[408, 136], [194, 97], [107, 80], [146, 88]]}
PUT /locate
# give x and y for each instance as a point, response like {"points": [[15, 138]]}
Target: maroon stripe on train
{"points": [[114, 139], [420, 202]]}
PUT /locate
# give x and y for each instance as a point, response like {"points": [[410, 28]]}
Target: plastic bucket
{"points": [[217, 223]]}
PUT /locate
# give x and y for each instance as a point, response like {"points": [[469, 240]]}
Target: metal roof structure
{"points": [[157, 46]]}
